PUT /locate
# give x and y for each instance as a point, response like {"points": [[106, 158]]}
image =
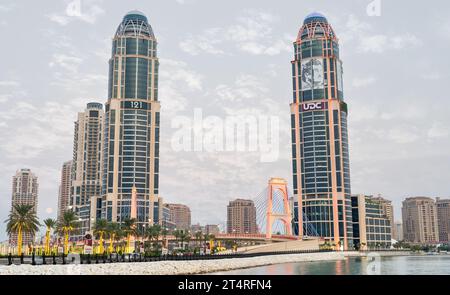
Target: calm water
{"points": [[405, 265]]}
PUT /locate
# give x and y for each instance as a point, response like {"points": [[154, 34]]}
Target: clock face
{"points": [[312, 74]]}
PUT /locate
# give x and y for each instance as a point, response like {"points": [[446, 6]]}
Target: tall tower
{"points": [[320, 159], [131, 144], [24, 192], [87, 164], [64, 189]]}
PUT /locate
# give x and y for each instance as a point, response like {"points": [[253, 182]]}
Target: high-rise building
{"points": [[241, 217], [86, 166], [397, 231], [212, 229], [131, 138], [387, 208], [180, 215], [320, 155], [443, 218], [64, 189], [371, 226], [420, 223], [24, 192], [197, 228]]}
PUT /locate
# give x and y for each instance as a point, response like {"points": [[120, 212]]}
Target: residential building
{"points": [[241, 217], [420, 222], [180, 215], [86, 167], [24, 192], [443, 219], [64, 189]]}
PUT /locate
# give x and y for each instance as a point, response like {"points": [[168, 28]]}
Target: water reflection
{"points": [[406, 265]]}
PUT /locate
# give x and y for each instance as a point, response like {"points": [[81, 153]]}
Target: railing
{"points": [[130, 258], [135, 258]]}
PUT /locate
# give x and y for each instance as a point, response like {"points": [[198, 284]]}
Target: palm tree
{"points": [[198, 238], [129, 228], [22, 220], [50, 224], [113, 231], [100, 229], [153, 232], [157, 229], [69, 223]]}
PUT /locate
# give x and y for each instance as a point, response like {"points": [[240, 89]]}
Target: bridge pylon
{"points": [[278, 184]]}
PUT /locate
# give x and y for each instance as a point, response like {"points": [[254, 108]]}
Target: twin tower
{"points": [[320, 158]]}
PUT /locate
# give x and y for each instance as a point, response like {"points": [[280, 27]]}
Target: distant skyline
{"points": [[230, 58]]}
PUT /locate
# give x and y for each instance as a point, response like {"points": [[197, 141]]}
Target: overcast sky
{"points": [[228, 58]]}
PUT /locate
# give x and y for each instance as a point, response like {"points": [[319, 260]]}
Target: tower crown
{"points": [[315, 25], [135, 24]]}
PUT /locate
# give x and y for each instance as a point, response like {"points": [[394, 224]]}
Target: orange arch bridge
{"points": [[278, 185]]}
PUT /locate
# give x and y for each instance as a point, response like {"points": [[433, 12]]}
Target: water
{"points": [[399, 265]]}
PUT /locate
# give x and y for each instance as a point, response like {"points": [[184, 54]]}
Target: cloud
{"points": [[252, 33], [438, 130], [43, 127], [86, 11], [6, 7], [69, 63], [382, 43], [9, 84], [370, 41], [176, 82], [363, 82], [431, 76]]}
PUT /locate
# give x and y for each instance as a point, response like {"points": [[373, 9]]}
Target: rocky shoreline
{"points": [[168, 267]]}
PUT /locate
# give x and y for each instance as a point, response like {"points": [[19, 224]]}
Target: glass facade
{"points": [[320, 159], [371, 226], [132, 131]]}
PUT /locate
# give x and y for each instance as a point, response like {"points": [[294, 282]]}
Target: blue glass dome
{"points": [[315, 17], [135, 15]]}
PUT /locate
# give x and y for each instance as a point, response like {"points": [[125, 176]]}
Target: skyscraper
{"points": [[420, 223], [87, 163], [64, 188], [320, 156], [24, 192], [443, 216], [131, 138], [241, 217]]}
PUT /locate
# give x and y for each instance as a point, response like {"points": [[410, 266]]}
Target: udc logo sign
{"points": [[313, 106]]}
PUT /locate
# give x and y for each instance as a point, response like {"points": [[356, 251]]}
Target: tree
{"points": [[129, 229], [153, 233], [68, 224], [50, 224], [198, 237], [183, 236], [22, 220], [100, 229], [113, 231]]}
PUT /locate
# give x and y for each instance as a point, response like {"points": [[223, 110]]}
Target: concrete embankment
{"points": [[168, 267]]}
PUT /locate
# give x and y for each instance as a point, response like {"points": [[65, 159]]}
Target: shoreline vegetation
{"points": [[181, 267]]}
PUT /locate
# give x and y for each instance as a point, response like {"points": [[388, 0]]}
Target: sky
{"points": [[230, 59]]}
